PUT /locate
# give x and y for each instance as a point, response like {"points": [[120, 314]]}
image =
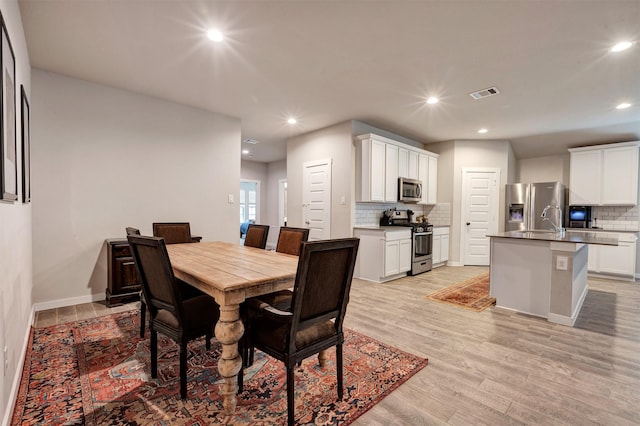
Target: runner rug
{"points": [[97, 372], [472, 294]]}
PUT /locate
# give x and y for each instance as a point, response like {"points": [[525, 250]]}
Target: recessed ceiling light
{"points": [[623, 105], [433, 100], [245, 151], [215, 35], [483, 131], [292, 120], [623, 45]]}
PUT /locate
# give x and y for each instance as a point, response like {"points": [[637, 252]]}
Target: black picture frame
{"points": [[26, 147], [8, 146]]}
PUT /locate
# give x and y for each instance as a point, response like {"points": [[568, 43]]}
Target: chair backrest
{"points": [[132, 231], [256, 236], [173, 232], [154, 269], [289, 239], [323, 282]]}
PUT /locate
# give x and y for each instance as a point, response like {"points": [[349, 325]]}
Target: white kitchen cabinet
{"points": [[604, 174], [403, 162], [616, 260], [391, 173], [370, 176], [384, 254], [413, 165], [440, 246], [428, 175]]}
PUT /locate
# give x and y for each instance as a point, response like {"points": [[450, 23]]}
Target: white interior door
{"points": [[479, 213], [316, 200]]}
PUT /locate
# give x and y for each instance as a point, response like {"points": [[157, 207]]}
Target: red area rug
{"points": [[472, 294], [97, 372]]}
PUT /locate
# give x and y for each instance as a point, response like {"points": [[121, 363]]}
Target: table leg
{"points": [[322, 357], [229, 330]]}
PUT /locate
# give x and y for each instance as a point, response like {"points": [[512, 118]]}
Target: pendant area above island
{"points": [[542, 273]]}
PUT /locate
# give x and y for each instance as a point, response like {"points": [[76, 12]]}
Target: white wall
{"points": [[333, 143], [544, 169], [104, 159], [16, 279]]}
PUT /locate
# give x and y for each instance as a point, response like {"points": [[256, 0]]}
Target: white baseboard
{"points": [[60, 303], [11, 402]]}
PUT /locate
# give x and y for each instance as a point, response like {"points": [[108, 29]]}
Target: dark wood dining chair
{"points": [[256, 236], [310, 319], [171, 313], [289, 239], [143, 302], [174, 232]]}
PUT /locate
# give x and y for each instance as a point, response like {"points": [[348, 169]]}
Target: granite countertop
{"points": [[600, 230], [580, 237]]}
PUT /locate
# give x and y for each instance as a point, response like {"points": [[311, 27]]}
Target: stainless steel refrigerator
{"points": [[525, 203]]}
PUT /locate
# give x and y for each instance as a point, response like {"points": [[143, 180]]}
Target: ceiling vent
{"points": [[251, 141], [484, 93]]}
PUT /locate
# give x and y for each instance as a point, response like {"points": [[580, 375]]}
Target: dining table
{"points": [[231, 273]]}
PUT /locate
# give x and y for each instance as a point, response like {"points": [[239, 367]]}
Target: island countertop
{"points": [[579, 237]]}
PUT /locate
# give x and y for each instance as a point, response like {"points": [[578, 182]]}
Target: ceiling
{"points": [[326, 62]]}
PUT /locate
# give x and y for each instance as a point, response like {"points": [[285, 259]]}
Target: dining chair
{"points": [[171, 313], [143, 302], [256, 236], [310, 319], [289, 239], [174, 232]]}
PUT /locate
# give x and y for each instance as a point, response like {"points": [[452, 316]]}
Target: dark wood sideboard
{"points": [[123, 284]]}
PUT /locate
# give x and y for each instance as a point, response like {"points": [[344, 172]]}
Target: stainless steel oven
{"points": [[422, 257]]}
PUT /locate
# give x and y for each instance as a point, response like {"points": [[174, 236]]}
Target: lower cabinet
{"points": [[440, 246], [122, 277], [616, 260], [384, 254]]}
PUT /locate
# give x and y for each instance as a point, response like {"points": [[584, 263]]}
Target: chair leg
{"points": [[339, 370], [154, 353], [208, 338], [241, 379], [143, 317], [183, 370], [290, 395]]}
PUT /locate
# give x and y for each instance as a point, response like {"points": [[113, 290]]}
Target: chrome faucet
{"points": [[557, 228]]}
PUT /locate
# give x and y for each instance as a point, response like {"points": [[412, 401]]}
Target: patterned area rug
{"points": [[96, 372], [472, 294]]}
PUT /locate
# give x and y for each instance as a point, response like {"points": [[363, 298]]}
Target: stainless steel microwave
{"points": [[409, 190]]}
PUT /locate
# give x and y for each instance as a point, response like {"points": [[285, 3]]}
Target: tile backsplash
{"points": [[624, 218], [369, 214]]}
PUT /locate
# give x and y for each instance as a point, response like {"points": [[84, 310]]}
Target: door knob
{"points": [[468, 223], [306, 222]]}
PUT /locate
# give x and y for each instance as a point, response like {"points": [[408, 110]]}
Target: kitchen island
{"points": [[542, 273]]}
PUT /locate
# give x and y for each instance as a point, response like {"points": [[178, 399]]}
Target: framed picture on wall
{"points": [[9, 158], [26, 148]]}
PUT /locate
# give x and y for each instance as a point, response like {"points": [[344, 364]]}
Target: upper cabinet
{"points": [[604, 175], [381, 161]]}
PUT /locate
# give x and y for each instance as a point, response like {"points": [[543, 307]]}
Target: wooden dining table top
{"points": [[232, 272]]}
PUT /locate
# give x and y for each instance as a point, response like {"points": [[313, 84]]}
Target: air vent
{"points": [[251, 141], [484, 93]]}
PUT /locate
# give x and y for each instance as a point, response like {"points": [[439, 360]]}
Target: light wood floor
{"points": [[493, 367]]}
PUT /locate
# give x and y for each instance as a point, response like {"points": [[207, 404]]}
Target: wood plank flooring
{"points": [[493, 367]]}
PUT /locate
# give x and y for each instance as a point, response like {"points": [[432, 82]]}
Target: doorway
{"points": [[249, 201], [480, 199]]}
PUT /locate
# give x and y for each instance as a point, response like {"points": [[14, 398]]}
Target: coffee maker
{"points": [[579, 216]]}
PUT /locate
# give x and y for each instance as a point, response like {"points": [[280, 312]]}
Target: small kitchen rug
{"points": [[471, 294], [96, 372]]}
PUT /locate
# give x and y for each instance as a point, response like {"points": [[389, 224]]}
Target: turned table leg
{"points": [[229, 330], [322, 357]]}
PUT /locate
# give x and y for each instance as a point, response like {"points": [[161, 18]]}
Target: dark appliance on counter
{"points": [[409, 190], [421, 238], [579, 216]]}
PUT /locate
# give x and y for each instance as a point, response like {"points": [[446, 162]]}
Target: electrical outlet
{"points": [[562, 263]]}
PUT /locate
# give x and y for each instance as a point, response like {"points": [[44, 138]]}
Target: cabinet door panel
{"points": [[585, 178], [403, 162], [413, 165], [619, 182], [405, 255], [391, 258], [432, 189], [377, 170], [444, 248], [618, 260], [126, 274], [391, 173]]}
